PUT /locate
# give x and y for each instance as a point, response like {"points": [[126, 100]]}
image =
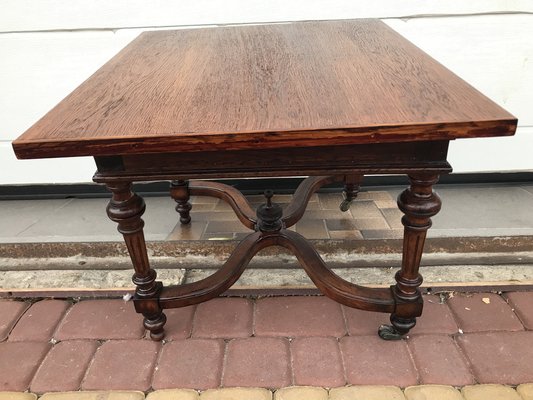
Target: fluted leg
{"points": [[352, 184], [179, 191], [126, 208], [419, 203]]}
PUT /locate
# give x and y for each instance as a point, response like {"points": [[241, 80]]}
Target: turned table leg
{"points": [[126, 208], [419, 203], [179, 191]]}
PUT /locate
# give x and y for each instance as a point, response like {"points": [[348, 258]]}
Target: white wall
{"points": [[48, 47]]}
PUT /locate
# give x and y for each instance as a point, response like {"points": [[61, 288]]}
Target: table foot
{"points": [[352, 184], [179, 191], [155, 324], [345, 205], [399, 327], [389, 332]]}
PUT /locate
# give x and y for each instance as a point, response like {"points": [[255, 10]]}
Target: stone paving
{"points": [[462, 340], [373, 215]]}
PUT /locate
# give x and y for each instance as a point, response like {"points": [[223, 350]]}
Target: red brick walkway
{"points": [[54, 345]]}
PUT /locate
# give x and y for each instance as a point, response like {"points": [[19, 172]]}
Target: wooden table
{"points": [[331, 100]]}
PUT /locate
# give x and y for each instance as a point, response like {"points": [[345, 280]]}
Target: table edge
{"points": [[54, 148]]}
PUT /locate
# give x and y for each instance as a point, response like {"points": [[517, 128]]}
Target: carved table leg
{"points": [[419, 203], [126, 208], [179, 191], [352, 184]]}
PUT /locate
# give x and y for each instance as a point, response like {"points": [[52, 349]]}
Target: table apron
{"points": [[377, 158]]}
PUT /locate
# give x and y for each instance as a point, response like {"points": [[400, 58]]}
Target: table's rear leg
{"points": [[419, 203], [126, 208], [179, 191], [352, 184]]}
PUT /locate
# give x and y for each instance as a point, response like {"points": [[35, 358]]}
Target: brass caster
{"points": [[389, 332], [345, 205]]}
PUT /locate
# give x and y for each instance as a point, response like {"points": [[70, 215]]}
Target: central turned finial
{"points": [[269, 214]]}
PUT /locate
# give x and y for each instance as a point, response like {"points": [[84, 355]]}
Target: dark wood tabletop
{"points": [[264, 86]]}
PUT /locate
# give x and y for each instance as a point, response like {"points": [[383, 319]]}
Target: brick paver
{"points": [[342, 235], [101, 319], [40, 321], [500, 357], [96, 395], [191, 363], [525, 391], [10, 312], [312, 228], [486, 392], [357, 224], [17, 396], [360, 392], [371, 360], [64, 366], [522, 302], [220, 227], [482, 312], [122, 365], [301, 393], [317, 361], [299, 316], [367, 393], [436, 318], [438, 360], [330, 201], [18, 363], [223, 318], [179, 322], [360, 322], [237, 394], [259, 362], [432, 392], [319, 353], [173, 394]]}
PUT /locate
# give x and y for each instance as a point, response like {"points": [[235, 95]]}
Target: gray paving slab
{"points": [[16, 216], [79, 219], [484, 208], [160, 217], [528, 188], [86, 220], [468, 210]]}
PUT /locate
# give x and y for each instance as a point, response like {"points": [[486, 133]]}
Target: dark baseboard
{"points": [[248, 186]]}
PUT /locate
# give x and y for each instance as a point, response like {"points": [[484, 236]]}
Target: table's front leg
{"points": [[126, 208], [419, 203]]}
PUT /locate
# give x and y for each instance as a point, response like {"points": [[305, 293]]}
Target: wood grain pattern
{"points": [[272, 86]]}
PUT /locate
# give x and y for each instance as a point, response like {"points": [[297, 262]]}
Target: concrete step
{"points": [[259, 281]]}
